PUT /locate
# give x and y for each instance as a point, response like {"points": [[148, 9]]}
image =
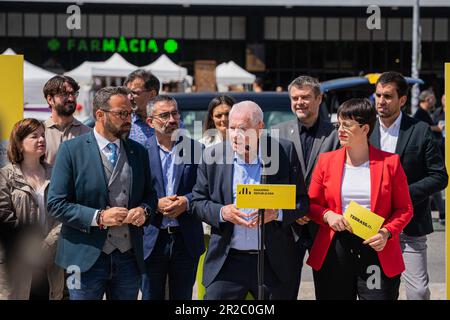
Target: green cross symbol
{"points": [[53, 44]]}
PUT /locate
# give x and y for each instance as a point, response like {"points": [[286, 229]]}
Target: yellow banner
{"points": [[266, 196], [11, 98], [364, 223]]}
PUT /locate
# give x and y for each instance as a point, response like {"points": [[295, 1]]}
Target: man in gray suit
{"points": [[311, 135]]}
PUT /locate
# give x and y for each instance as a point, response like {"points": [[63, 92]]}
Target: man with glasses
{"points": [[173, 242], [102, 194], [143, 87], [61, 94]]}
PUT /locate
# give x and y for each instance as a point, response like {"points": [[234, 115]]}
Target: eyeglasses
{"points": [[166, 115], [346, 125], [123, 115], [66, 94], [138, 93]]}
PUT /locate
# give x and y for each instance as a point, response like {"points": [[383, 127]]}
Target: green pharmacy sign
{"points": [[120, 45]]}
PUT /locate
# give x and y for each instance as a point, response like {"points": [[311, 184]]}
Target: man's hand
{"points": [[165, 202], [336, 221], [114, 216], [303, 220], [269, 215], [378, 241], [176, 208], [136, 216], [231, 214]]}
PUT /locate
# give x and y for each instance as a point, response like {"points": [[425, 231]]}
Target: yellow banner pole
{"points": [[447, 190], [11, 98]]}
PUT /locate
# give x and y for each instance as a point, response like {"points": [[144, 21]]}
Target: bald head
{"points": [[249, 111]]}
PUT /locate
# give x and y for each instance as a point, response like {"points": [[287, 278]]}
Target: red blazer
{"points": [[389, 199]]}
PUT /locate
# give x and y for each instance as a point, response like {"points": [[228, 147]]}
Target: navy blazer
{"points": [[186, 176], [214, 189], [78, 188]]}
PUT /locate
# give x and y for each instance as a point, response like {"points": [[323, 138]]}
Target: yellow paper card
{"points": [[364, 223], [266, 196]]}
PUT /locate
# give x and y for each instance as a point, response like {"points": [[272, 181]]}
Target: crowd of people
{"points": [[132, 204]]}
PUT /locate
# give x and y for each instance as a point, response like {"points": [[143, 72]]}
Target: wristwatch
{"points": [[146, 211]]}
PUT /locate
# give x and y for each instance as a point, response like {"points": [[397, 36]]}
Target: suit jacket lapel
{"points": [[318, 140], [375, 137], [97, 162], [295, 138], [403, 135], [156, 168], [227, 187], [376, 175], [336, 178]]}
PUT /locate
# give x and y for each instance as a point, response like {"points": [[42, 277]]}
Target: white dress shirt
{"points": [[389, 136]]}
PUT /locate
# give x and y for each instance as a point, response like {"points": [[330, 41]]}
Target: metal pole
{"points": [[415, 66]]}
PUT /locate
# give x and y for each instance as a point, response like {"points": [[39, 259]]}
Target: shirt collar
{"points": [[311, 129], [103, 142], [49, 123], [395, 124]]}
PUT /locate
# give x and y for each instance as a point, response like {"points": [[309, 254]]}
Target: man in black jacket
{"points": [[422, 161]]}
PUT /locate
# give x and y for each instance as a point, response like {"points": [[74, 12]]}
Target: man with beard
{"points": [[144, 87], [173, 242], [61, 94], [396, 132], [102, 194]]}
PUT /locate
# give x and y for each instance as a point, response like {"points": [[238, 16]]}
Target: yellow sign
{"points": [[364, 223], [266, 196], [11, 101]]}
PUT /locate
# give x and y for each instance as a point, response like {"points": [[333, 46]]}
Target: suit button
{"points": [[125, 235], [109, 236]]}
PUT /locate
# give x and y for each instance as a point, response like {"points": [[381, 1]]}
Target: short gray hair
{"points": [[306, 81], [251, 108], [159, 98], [102, 96], [426, 94]]}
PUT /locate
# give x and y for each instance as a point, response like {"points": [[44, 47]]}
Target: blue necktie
{"points": [[112, 147]]}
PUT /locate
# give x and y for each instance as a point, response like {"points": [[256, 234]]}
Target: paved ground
{"points": [[436, 269]]}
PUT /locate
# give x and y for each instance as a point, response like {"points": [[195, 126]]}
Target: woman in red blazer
{"points": [[345, 266]]}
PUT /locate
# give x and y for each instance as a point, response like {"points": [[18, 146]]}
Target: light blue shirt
{"points": [[169, 173], [245, 173], [140, 131]]}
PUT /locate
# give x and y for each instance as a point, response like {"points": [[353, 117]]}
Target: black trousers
{"points": [[239, 275], [352, 270]]}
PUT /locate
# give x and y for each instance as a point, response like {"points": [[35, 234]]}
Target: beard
{"points": [[122, 132], [65, 109]]}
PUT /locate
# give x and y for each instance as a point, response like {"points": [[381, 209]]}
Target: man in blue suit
{"points": [[100, 190], [173, 242]]}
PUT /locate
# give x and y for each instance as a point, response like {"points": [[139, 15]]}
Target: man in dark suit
{"points": [[311, 135], [230, 269], [422, 161], [101, 192], [173, 242]]}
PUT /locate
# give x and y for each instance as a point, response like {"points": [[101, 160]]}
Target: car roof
{"points": [[200, 101], [350, 82]]}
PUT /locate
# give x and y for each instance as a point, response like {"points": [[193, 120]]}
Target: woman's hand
{"points": [[378, 241], [336, 221]]}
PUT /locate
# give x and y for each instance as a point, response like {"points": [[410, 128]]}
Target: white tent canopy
{"points": [[229, 73], [115, 66], [166, 70], [34, 79]]}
